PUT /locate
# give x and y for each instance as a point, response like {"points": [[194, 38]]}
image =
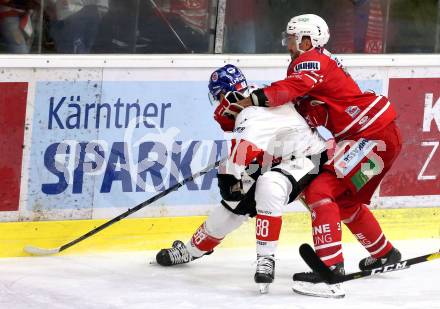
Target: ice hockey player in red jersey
{"points": [[368, 138], [282, 143]]}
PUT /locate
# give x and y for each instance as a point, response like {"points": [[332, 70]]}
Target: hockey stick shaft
{"points": [[315, 263], [141, 205], [130, 211]]}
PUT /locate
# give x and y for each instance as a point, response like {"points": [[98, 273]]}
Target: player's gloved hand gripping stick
{"points": [[42, 251]]}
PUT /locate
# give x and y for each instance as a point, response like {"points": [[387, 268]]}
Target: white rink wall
{"points": [[104, 133]]}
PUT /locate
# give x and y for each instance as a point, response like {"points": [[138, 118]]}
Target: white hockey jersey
{"points": [[270, 135]]}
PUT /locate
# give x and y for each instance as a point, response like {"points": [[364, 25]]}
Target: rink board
{"points": [[155, 233], [97, 128], [76, 135]]}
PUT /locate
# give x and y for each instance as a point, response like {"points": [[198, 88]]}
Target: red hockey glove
{"points": [[227, 110]]}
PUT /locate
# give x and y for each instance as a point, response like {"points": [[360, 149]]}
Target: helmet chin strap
{"points": [[297, 43], [293, 56], [297, 53], [300, 50]]}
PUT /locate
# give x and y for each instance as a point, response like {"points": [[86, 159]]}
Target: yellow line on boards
{"points": [[155, 233]]}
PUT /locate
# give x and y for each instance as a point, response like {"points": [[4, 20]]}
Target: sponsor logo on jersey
{"points": [[335, 59], [353, 111], [363, 120], [241, 122], [354, 156], [307, 66], [361, 177], [239, 129]]}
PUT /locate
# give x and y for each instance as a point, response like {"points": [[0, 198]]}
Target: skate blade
{"points": [[264, 288], [318, 289]]}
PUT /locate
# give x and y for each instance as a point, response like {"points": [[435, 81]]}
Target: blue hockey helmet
{"points": [[225, 79]]}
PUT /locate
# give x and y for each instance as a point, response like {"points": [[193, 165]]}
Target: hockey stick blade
{"points": [[315, 263], [40, 251], [309, 256]]}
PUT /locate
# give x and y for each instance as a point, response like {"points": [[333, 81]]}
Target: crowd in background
{"points": [[190, 26]]}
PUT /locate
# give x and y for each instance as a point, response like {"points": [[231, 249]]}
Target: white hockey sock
{"points": [[271, 194]]}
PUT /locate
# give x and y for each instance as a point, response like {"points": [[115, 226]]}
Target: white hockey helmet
{"points": [[307, 25]]}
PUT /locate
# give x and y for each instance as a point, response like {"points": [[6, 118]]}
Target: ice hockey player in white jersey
{"points": [[288, 155]]}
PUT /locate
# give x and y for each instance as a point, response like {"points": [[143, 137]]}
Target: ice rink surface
{"points": [[221, 280]]}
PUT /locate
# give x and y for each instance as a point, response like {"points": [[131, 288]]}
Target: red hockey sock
{"points": [[203, 241], [267, 231], [368, 232], [327, 231]]}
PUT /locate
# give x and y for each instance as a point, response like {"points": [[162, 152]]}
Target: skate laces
{"points": [[265, 264], [369, 261], [179, 254]]}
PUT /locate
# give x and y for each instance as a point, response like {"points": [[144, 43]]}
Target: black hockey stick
{"points": [[42, 251], [315, 263]]}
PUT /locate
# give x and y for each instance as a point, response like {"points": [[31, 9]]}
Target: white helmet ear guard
{"points": [[310, 25]]}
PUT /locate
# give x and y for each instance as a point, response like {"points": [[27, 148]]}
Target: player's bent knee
{"points": [[351, 214], [314, 197], [272, 192], [221, 222]]}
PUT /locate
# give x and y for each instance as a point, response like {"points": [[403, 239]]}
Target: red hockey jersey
{"points": [[350, 111]]}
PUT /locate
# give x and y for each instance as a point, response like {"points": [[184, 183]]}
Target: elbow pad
{"points": [[258, 98]]}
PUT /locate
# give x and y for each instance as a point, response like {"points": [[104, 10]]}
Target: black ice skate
{"points": [[311, 284], [370, 262], [265, 272], [178, 254]]}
